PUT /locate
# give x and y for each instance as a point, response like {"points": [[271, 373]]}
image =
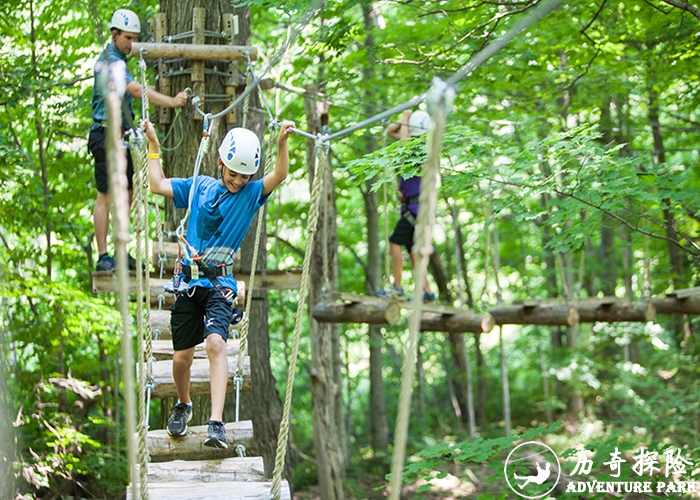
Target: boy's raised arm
{"points": [[279, 174]]}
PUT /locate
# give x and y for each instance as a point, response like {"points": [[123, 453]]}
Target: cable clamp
{"points": [[441, 94]]}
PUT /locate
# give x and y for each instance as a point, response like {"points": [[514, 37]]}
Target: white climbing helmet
{"points": [[125, 20], [240, 151], [418, 123]]}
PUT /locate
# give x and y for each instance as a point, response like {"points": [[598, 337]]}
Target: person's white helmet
{"points": [[125, 20], [240, 151], [418, 123]]}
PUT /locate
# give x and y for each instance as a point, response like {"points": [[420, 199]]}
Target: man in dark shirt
{"points": [[125, 28]]}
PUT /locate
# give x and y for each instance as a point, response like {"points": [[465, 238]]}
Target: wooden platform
{"points": [[163, 349], [162, 447], [228, 490], [106, 282], [207, 471], [350, 308], [164, 386]]}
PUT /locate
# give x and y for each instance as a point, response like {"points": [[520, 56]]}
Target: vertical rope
{"points": [[243, 336], [139, 151], [246, 101], [387, 247], [116, 161], [322, 152], [424, 234]]}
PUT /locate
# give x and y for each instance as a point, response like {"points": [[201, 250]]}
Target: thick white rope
{"points": [[321, 155]]}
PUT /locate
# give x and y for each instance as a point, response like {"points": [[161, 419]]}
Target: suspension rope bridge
{"points": [[439, 99]]}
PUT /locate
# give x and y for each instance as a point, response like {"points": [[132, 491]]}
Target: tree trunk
{"points": [[326, 386], [180, 162], [674, 252], [7, 448], [480, 383], [264, 403], [379, 428]]}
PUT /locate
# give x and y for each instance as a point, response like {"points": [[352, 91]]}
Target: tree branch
{"points": [[613, 215], [684, 6]]}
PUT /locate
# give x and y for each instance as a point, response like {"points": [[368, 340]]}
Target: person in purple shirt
{"points": [[411, 125]]}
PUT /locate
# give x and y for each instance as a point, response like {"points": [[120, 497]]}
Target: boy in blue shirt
{"points": [[222, 210]]}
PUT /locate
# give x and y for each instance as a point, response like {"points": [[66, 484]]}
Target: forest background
{"points": [[569, 170]]}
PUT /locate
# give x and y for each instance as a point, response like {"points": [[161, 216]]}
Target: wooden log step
{"points": [[196, 52], [431, 307], [164, 386], [672, 305], [560, 301], [375, 312], [685, 293], [227, 490], [163, 448], [163, 349], [464, 322], [169, 254], [160, 324], [543, 314], [207, 471], [106, 282], [591, 312]]}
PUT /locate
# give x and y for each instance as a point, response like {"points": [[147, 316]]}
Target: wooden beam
{"points": [[376, 312], [207, 471], [671, 305], [160, 324], [432, 308], [290, 279], [225, 490], [591, 312], [560, 301], [164, 386], [163, 349], [464, 322], [194, 52], [197, 81], [162, 447], [160, 31], [544, 314], [685, 293]]}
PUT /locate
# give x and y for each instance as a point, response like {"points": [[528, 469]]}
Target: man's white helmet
{"points": [[240, 151], [125, 20], [418, 123]]}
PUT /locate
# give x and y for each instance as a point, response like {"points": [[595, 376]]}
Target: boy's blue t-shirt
{"points": [[218, 222]]}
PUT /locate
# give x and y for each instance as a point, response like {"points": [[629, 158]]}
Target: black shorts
{"points": [[403, 234], [198, 313], [96, 146]]}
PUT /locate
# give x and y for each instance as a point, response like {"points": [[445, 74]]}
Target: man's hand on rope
{"points": [[180, 99]]}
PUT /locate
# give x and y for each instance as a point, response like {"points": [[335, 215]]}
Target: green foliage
{"points": [[480, 450], [549, 145]]}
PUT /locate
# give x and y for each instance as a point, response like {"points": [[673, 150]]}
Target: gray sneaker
{"points": [[106, 263], [217, 435], [179, 417]]}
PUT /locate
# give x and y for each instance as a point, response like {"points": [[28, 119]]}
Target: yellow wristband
{"points": [[153, 156]]}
